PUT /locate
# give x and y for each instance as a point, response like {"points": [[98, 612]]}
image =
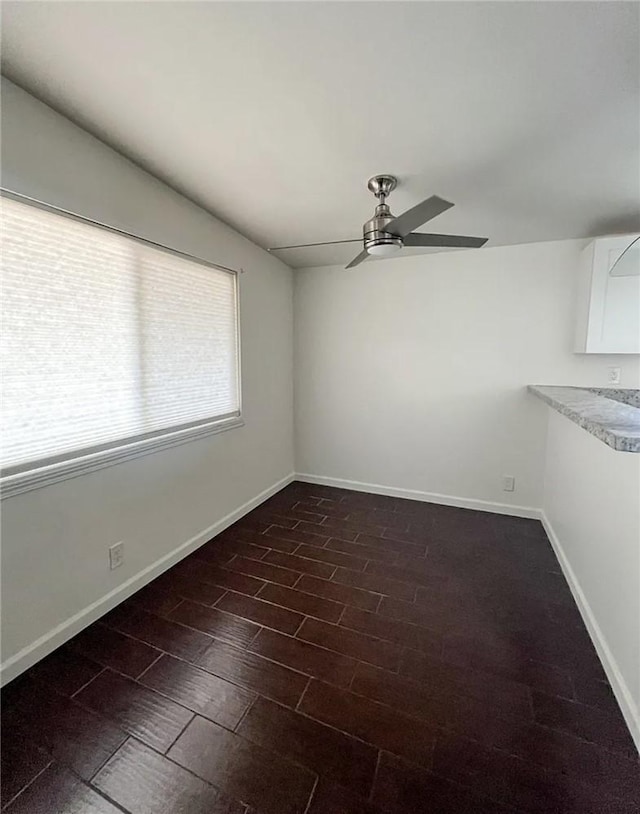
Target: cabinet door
{"points": [[613, 320]]}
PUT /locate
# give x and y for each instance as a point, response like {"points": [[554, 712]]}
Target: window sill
{"points": [[38, 477]]}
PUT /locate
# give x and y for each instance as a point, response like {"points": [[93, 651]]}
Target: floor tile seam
{"points": [[298, 590], [247, 710], [221, 568], [612, 753], [181, 766], [297, 638], [181, 732], [437, 698], [339, 620], [67, 766], [369, 573], [283, 567], [400, 644], [259, 625], [199, 601], [568, 671], [104, 762], [433, 727], [217, 788], [223, 564], [623, 753], [333, 581], [483, 675], [368, 558], [352, 735], [140, 606], [224, 593], [339, 627], [292, 759], [283, 528], [311, 559], [368, 528], [127, 736], [117, 724], [220, 563], [93, 678], [297, 630], [98, 790], [260, 599], [411, 583], [269, 582], [302, 694], [195, 712], [546, 770], [316, 518], [30, 782], [375, 776], [470, 790], [325, 547], [240, 650], [153, 646], [311, 796], [221, 640], [295, 670], [344, 732]]}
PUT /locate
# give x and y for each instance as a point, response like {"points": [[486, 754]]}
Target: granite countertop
{"points": [[607, 413]]}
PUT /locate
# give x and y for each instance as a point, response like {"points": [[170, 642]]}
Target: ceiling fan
{"points": [[386, 234]]}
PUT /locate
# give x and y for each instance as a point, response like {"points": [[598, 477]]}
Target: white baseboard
{"points": [[37, 650], [426, 497], [618, 684]]}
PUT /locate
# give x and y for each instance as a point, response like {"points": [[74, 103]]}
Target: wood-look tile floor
{"points": [[331, 653]]}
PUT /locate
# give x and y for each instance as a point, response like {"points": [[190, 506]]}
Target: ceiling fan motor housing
{"points": [[374, 232]]}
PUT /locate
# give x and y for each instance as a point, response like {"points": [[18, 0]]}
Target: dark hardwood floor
{"points": [[331, 653]]}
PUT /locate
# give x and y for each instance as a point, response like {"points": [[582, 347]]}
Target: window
{"points": [[107, 342]]}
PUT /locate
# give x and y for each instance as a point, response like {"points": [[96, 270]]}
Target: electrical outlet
{"points": [[116, 555], [613, 375], [508, 483]]}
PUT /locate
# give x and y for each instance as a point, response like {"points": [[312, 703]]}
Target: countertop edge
{"points": [[595, 414]]}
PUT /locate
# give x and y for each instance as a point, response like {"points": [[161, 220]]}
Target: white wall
{"points": [[410, 373], [55, 540], [591, 510]]}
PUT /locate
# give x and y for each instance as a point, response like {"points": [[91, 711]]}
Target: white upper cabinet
{"points": [[608, 315]]}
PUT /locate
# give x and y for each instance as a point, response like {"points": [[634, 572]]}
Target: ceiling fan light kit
{"points": [[384, 234], [382, 248]]}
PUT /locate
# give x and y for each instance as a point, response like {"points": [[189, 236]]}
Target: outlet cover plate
{"points": [[613, 375], [116, 555], [508, 483]]}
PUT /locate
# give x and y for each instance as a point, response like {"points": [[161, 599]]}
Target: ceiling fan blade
{"points": [[417, 215], [308, 245], [454, 241], [357, 260]]}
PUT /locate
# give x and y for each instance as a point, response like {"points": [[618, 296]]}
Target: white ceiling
{"points": [[274, 115]]}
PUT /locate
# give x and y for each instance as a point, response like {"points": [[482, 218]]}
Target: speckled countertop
{"points": [[612, 417]]}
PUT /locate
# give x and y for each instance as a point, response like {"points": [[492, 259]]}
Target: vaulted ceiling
{"points": [[274, 115]]}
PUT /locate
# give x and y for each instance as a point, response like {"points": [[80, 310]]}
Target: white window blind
{"points": [[106, 340]]}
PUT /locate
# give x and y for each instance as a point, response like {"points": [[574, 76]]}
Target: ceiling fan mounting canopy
{"points": [[382, 184], [385, 234]]}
